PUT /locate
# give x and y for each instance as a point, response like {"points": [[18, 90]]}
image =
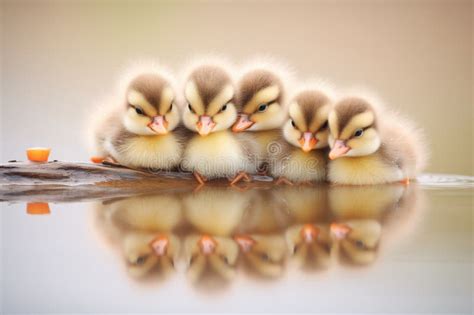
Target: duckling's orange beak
{"points": [[243, 123], [205, 125], [207, 245], [308, 141], [160, 245], [339, 231], [309, 233], [159, 125], [339, 149], [245, 242]]}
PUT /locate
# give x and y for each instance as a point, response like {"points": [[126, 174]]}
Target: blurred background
{"points": [[60, 57]]}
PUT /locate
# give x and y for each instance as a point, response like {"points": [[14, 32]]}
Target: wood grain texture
{"points": [[58, 181]]}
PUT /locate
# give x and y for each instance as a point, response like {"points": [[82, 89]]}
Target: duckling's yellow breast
{"points": [[161, 151], [365, 170], [302, 166], [218, 154]]}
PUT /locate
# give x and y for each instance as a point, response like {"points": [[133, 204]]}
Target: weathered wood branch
{"points": [[66, 181]]}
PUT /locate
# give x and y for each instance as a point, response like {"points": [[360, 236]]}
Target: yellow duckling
{"points": [[310, 244], [358, 213], [370, 146], [300, 155], [260, 237], [138, 129], [308, 238], [358, 239], [215, 213], [144, 229], [261, 105], [215, 151]]}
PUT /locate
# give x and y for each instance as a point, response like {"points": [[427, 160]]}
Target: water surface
{"points": [[391, 248]]}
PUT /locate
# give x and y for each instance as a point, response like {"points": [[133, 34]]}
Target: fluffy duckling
{"points": [[357, 240], [260, 101], [260, 238], [215, 213], [310, 244], [369, 146], [308, 238], [358, 212], [298, 157], [215, 151], [144, 228], [138, 129], [264, 253]]}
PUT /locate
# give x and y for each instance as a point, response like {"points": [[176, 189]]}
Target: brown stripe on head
{"points": [[349, 107], [209, 81], [255, 81], [310, 103], [150, 86]]}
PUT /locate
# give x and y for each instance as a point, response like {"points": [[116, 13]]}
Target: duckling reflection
{"points": [[359, 213], [261, 238], [308, 237], [215, 213], [143, 227]]}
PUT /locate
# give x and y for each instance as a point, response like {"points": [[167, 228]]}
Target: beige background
{"points": [[60, 57]]}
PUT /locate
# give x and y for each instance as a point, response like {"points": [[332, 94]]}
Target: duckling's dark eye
{"points": [[262, 107], [324, 126], [360, 244], [171, 107], [293, 123], [190, 108], [139, 111], [264, 257], [224, 108], [141, 260], [358, 133]]}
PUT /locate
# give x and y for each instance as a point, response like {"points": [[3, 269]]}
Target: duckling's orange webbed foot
{"points": [[284, 181], [240, 176], [199, 178]]}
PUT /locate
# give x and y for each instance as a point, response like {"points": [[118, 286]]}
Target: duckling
{"points": [[357, 239], [215, 151], [264, 253], [310, 244], [358, 213], [215, 213], [370, 146], [139, 128], [308, 238], [261, 105], [295, 159], [144, 229], [260, 237]]}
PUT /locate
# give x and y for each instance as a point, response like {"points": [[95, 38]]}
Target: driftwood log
{"points": [[69, 182]]}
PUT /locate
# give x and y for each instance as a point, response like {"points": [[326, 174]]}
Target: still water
{"points": [[391, 248]]}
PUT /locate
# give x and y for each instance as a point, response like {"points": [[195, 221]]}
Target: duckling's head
{"points": [[309, 244], [150, 106], [358, 239], [265, 253], [353, 129], [144, 251], [307, 127], [259, 101], [209, 93], [210, 253]]}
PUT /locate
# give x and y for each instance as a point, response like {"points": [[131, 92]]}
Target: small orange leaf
{"points": [[38, 154], [97, 159], [37, 208]]}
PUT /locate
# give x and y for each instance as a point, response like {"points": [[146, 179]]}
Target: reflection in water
{"points": [[217, 231]]}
